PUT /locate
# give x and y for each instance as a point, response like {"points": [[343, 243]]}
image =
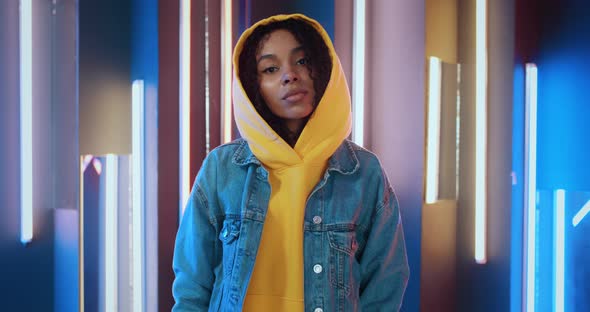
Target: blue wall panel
{"points": [[564, 110]]}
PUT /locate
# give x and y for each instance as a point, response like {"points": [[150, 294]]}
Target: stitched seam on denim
{"points": [[238, 157], [200, 196], [350, 149], [388, 196]]}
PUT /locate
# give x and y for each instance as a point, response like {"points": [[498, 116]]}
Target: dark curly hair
{"points": [[319, 64]]}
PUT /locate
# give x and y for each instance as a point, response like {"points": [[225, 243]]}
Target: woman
{"points": [[292, 217]]}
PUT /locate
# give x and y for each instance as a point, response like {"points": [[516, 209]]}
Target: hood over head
{"points": [[327, 127]]}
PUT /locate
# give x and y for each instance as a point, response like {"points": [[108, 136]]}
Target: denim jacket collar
{"points": [[243, 156], [343, 160]]}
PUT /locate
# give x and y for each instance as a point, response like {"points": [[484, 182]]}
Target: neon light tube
{"points": [[84, 162], [559, 204], [457, 131], [358, 71], [26, 121], [185, 102], [226, 67], [86, 159], [481, 131], [110, 230], [530, 168], [581, 214], [138, 159], [97, 166], [433, 143]]}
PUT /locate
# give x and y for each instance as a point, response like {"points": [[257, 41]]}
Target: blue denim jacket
{"points": [[354, 249]]}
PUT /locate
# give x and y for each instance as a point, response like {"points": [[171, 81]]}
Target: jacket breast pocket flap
{"points": [[344, 241]]}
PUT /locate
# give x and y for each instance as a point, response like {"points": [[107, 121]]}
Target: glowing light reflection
{"points": [[481, 132], [581, 214], [358, 71], [185, 104], [226, 64], [26, 120], [530, 163], [559, 204], [138, 159], [111, 233], [433, 143]]}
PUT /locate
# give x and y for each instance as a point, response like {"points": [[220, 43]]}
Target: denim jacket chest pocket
{"points": [[229, 234], [344, 268]]}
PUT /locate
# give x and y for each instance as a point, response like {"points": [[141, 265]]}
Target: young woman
{"points": [[292, 216]]}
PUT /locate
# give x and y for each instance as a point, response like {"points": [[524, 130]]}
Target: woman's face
{"points": [[284, 80]]}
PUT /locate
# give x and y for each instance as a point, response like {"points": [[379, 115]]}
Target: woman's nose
{"points": [[289, 76]]}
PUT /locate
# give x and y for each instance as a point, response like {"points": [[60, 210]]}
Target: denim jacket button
{"points": [[317, 269], [317, 220], [318, 310]]}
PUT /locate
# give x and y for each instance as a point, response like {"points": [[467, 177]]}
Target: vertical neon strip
{"points": [[559, 232], [481, 132], [83, 165], [110, 230], [185, 102], [581, 214], [458, 132], [433, 143], [138, 159], [530, 167], [358, 72], [26, 121], [226, 67]]}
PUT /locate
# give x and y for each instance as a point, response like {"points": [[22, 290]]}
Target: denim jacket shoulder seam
{"points": [[242, 155], [384, 204], [335, 165], [202, 198]]}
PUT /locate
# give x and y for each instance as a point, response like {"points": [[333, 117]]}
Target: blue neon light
{"points": [[581, 214], [559, 234]]}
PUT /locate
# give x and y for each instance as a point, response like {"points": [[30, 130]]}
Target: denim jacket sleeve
{"points": [[195, 255], [384, 262]]}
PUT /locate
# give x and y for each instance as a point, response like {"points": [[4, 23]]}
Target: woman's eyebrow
{"points": [[266, 56], [297, 49], [272, 56]]}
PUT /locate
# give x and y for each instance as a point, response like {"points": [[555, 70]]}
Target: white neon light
{"points": [[581, 214], [433, 143], [85, 160], [458, 131], [97, 166], [481, 132], [226, 67], [559, 204], [530, 167], [138, 159], [110, 230], [185, 104], [358, 71], [26, 121]]}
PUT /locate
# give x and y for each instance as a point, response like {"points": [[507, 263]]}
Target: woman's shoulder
{"points": [[229, 146], [366, 158], [225, 155], [228, 151]]}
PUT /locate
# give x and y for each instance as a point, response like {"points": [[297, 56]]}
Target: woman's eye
{"points": [[270, 70], [302, 61]]}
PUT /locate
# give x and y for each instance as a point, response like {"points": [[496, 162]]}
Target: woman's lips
{"points": [[295, 97]]}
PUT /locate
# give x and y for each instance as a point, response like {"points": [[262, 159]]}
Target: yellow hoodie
{"points": [[277, 279]]}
